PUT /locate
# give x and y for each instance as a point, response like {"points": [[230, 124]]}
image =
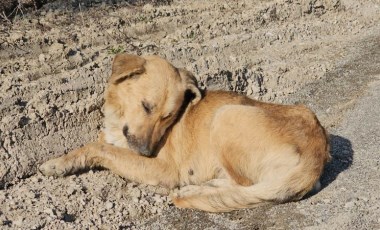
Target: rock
{"points": [[135, 194], [349, 204], [41, 58], [109, 205]]}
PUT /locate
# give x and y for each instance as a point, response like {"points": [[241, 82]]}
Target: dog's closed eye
{"points": [[147, 107], [166, 116]]}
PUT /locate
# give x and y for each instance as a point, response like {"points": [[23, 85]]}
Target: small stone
{"points": [[133, 212], [349, 204], [30, 194], [49, 211], [18, 222], [326, 201], [15, 36], [109, 205], [159, 210], [119, 195], [2, 195], [75, 58], [68, 217], [131, 185], [143, 202], [136, 195], [148, 7], [41, 58], [71, 190], [158, 199], [56, 48]]}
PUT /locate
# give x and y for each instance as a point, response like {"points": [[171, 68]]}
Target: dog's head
{"points": [[144, 98]]}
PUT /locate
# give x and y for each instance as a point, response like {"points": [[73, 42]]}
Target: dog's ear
{"points": [[191, 85], [126, 65]]}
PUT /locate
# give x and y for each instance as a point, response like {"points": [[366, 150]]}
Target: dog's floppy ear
{"points": [[191, 85], [126, 65]]}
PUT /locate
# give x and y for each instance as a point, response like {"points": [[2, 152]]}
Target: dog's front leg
{"points": [[121, 161]]}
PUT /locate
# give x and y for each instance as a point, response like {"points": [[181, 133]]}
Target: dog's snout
{"points": [[144, 150], [125, 130]]}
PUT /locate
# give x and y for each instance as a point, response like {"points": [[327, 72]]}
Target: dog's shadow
{"points": [[342, 157]]}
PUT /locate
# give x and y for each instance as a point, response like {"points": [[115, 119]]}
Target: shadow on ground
{"points": [[342, 156]]}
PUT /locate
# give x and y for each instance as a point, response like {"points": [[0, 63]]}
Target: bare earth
{"points": [[54, 64]]}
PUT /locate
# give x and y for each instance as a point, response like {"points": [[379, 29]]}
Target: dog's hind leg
{"points": [[121, 161], [264, 165]]}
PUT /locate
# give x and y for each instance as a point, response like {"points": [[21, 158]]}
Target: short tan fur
{"points": [[220, 151]]}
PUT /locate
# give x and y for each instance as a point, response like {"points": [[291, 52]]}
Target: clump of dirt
{"points": [[55, 62]]}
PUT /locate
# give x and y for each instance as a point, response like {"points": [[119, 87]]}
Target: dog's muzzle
{"points": [[137, 144]]}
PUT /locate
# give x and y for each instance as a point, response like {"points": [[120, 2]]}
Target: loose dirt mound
{"points": [[55, 63]]}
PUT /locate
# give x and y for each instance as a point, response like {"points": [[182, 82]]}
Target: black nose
{"points": [[125, 130]]}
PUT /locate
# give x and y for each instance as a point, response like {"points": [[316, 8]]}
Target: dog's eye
{"points": [[147, 107], [166, 116]]}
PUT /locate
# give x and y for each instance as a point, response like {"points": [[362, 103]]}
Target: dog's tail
{"points": [[212, 197], [223, 197]]}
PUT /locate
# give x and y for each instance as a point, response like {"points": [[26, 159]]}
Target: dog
{"points": [[218, 150]]}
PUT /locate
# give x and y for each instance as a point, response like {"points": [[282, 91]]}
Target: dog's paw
{"points": [[55, 167], [178, 198], [209, 187], [189, 190]]}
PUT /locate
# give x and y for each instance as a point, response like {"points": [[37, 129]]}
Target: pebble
{"points": [[326, 201], [349, 204], [41, 58], [153, 210], [34, 178], [71, 190], [135, 194], [18, 222], [56, 48], [49, 211], [109, 205], [158, 199], [15, 36], [30, 194]]}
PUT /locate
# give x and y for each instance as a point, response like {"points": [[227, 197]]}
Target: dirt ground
{"points": [[55, 61]]}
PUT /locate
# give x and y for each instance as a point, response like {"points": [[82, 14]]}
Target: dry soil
{"points": [[55, 61]]}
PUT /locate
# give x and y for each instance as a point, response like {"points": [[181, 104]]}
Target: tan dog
{"points": [[225, 151]]}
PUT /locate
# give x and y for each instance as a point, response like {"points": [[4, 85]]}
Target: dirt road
{"points": [[54, 64]]}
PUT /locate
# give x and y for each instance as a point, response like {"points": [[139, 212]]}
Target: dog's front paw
{"points": [[55, 167]]}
